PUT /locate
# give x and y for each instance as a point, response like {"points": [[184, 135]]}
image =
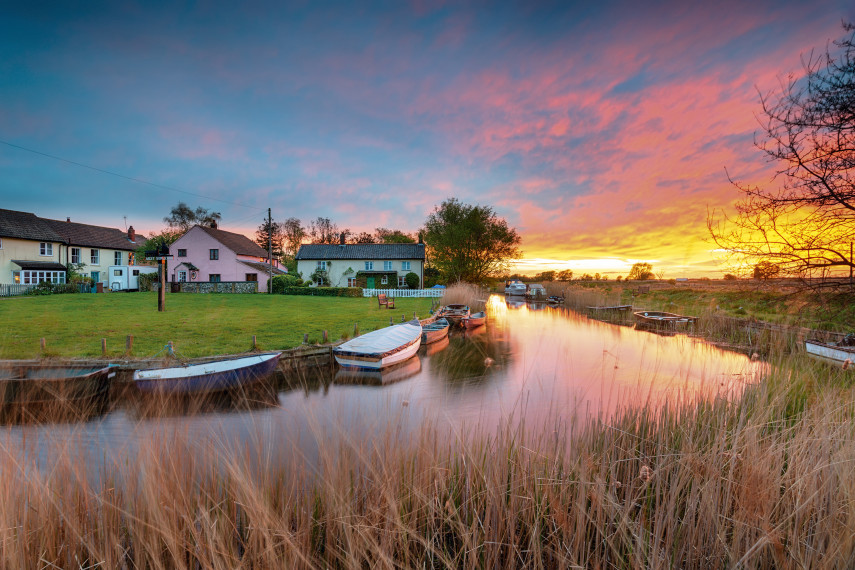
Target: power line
{"points": [[131, 178]]}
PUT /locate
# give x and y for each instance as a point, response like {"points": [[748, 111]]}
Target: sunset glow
{"points": [[601, 133]]}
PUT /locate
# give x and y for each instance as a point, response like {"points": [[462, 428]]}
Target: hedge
{"points": [[324, 291]]}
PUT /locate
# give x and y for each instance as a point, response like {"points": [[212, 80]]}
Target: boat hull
{"points": [[52, 392], [831, 353], [454, 313], [662, 319], [382, 348], [474, 321], [218, 376], [435, 331]]}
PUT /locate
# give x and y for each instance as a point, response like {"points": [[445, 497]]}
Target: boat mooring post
{"points": [[42, 343], [306, 338], [391, 321], [356, 329], [325, 336], [103, 347], [254, 344], [129, 343]]}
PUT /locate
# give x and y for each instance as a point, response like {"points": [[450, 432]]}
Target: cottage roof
{"points": [[23, 225], [87, 235], [362, 251], [240, 244], [264, 267]]}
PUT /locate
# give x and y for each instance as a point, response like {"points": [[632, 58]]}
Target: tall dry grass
{"points": [[466, 294], [762, 482]]}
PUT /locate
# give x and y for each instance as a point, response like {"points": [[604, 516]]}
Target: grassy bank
{"points": [[199, 325], [763, 482]]}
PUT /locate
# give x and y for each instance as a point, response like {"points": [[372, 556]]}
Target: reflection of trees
{"points": [[472, 358]]}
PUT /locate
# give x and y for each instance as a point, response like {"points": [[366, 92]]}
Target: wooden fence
{"points": [[15, 290]]}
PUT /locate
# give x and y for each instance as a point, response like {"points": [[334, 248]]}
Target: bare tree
{"points": [[804, 221], [322, 230], [293, 236]]}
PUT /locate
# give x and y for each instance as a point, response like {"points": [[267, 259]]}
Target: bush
{"points": [[412, 280], [322, 291], [146, 280], [282, 282]]}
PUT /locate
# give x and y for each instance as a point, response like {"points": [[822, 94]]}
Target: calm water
{"points": [[540, 362]]}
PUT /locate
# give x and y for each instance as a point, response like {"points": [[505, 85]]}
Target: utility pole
{"points": [[850, 264], [161, 294], [270, 251]]}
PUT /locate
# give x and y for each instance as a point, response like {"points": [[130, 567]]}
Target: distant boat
{"points": [[52, 391], [842, 352], [475, 320], [555, 300], [515, 288], [454, 313], [536, 292], [216, 376], [662, 319], [435, 331], [381, 348]]}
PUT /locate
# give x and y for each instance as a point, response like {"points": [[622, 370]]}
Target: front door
{"points": [[96, 276], [370, 283]]}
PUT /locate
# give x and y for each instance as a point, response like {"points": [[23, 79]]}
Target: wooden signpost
{"points": [[160, 255]]}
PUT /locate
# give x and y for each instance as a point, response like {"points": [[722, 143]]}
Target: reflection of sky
{"points": [[541, 364], [600, 130]]}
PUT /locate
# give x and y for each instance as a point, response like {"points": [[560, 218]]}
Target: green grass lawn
{"points": [[198, 325]]}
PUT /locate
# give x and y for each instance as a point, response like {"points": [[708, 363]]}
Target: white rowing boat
{"points": [[381, 348]]}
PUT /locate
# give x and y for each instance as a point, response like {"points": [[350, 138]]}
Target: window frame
{"points": [[251, 277], [369, 266], [218, 279], [75, 255], [405, 266], [117, 258], [45, 249], [322, 265], [402, 281], [214, 255], [94, 256], [182, 253]]}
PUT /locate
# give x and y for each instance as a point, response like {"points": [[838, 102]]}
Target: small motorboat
{"points": [[662, 319], [435, 331], [454, 313], [215, 376], [515, 288], [841, 352], [381, 348], [475, 320], [555, 300], [52, 391], [536, 292]]}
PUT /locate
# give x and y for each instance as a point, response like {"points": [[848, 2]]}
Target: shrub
{"points": [[282, 282], [146, 280], [322, 291], [412, 280]]}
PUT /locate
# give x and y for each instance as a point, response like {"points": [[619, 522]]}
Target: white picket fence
{"points": [[396, 293]]}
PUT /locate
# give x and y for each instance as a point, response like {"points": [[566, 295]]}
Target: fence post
{"points": [[325, 336], [356, 329], [103, 347], [254, 343], [305, 338], [42, 344], [129, 343]]}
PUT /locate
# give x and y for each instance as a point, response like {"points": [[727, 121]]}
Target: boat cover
{"points": [[383, 340]]}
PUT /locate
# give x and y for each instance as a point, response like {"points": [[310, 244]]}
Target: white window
{"points": [[402, 282], [16, 277], [45, 248], [35, 277], [405, 265], [117, 272], [95, 257], [182, 276], [75, 255], [369, 266], [351, 281], [384, 280], [322, 265], [387, 266], [117, 258]]}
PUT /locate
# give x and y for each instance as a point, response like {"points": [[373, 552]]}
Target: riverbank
{"points": [[73, 326]]}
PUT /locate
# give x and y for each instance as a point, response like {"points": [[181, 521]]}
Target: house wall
{"points": [[338, 270], [106, 258], [198, 245], [12, 248]]}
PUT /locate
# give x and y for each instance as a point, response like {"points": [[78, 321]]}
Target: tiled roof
{"points": [[94, 236], [23, 225], [263, 267], [362, 251], [39, 265], [240, 244]]}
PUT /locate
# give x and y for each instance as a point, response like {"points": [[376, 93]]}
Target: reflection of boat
{"points": [[216, 376], [437, 346], [52, 392], [515, 288], [536, 292], [437, 330], [611, 309], [379, 377], [475, 320], [454, 313], [515, 303], [841, 352], [555, 300], [662, 319], [257, 396], [381, 348]]}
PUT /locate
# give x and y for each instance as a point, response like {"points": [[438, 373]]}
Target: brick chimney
{"points": [[132, 235], [213, 224], [68, 219], [341, 239]]}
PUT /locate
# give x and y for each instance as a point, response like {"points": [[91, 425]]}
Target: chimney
{"points": [[421, 239], [132, 235], [68, 219], [341, 239], [213, 224]]}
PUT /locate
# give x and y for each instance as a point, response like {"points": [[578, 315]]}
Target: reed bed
{"points": [[761, 482], [466, 294]]}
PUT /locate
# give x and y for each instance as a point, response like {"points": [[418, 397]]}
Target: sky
{"points": [[600, 131]]}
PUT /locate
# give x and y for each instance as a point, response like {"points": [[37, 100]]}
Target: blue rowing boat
{"points": [[216, 376]]}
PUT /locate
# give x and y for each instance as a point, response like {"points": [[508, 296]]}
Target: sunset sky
{"points": [[600, 130]]}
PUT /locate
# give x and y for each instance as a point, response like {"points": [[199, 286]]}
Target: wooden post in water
{"points": [[129, 343], [103, 347]]}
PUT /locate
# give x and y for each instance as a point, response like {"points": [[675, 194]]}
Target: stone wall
{"points": [[219, 287]]}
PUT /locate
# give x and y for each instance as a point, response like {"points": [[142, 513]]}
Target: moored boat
{"points": [[515, 288], [536, 292], [555, 300], [841, 352], [381, 348], [454, 313], [215, 376], [435, 331], [52, 391], [662, 319], [475, 320]]}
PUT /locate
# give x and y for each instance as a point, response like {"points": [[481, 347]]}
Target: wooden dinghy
{"points": [[435, 331], [381, 348], [215, 376], [454, 313], [475, 320], [52, 392], [840, 353], [662, 319]]}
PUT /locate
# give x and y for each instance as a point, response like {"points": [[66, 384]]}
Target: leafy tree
{"points": [[322, 230], [805, 219], [640, 272], [277, 237], [412, 280], [182, 218], [766, 270], [293, 235], [587, 277], [730, 277], [364, 237], [545, 276], [565, 275], [155, 242], [384, 235], [432, 276], [469, 243]]}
